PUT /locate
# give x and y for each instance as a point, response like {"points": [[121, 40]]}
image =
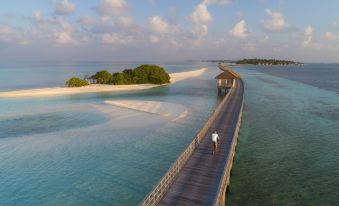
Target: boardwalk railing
{"points": [[155, 196], [221, 197]]}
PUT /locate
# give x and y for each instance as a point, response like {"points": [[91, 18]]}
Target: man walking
{"points": [[215, 140]]}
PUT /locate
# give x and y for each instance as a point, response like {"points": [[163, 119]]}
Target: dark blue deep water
{"points": [[325, 76]]}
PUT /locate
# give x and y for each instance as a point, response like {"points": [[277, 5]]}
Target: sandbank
{"points": [[168, 110], [176, 77]]}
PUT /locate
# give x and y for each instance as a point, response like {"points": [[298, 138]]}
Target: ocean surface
{"points": [[288, 150], [76, 150]]}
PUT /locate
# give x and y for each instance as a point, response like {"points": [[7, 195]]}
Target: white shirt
{"points": [[215, 137]]}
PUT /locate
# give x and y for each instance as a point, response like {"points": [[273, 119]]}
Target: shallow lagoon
{"points": [[287, 152], [77, 150]]}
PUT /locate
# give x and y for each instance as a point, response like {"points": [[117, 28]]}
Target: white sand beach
{"points": [[165, 109], [176, 77], [93, 88]]}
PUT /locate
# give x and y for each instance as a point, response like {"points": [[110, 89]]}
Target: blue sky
{"points": [[134, 30]]}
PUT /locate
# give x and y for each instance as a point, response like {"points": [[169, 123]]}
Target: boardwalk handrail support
{"points": [[155, 196], [220, 198]]}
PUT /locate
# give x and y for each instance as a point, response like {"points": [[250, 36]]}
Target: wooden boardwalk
{"points": [[197, 177], [199, 180]]}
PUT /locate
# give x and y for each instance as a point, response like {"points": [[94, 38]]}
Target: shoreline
{"points": [[97, 88]]}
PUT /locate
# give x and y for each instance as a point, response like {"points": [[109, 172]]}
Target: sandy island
{"points": [[55, 91]]}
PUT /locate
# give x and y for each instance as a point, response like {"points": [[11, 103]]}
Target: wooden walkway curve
{"points": [[201, 178]]}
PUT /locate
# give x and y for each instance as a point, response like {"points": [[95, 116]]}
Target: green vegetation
{"points": [[102, 77], [143, 74], [120, 79], [76, 82], [152, 74], [266, 62]]}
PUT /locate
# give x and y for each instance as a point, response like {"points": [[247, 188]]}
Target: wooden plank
{"points": [[198, 181]]}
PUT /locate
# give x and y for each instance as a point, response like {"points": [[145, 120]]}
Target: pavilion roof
{"points": [[227, 74]]}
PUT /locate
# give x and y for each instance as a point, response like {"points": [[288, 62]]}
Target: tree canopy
{"points": [[76, 82], [152, 74], [119, 79], [143, 74], [266, 62], [102, 77]]}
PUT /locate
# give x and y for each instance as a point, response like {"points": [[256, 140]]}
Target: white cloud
{"points": [[24, 42], [64, 37], [331, 36], [6, 33], [308, 36], [265, 39], [201, 15], [64, 7], [64, 32], [5, 30], [115, 38], [240, 30], [126, 21], [277, 21], [9, 34], [175, 43], [108, 8], [309, 30], [154, 39], [65, 25], [158, 24], [39, 18], [200, 30], [56, 29], [218, 1], [86, 20]]}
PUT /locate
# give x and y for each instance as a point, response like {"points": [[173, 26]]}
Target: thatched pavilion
{"points": [[226, 80]]}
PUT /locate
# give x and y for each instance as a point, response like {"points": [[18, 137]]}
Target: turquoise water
{"points": [[76, 150], [288, 148]]}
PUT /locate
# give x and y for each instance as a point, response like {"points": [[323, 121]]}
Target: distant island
{"points": [[143, 74], [220, 61], [268, 62]]}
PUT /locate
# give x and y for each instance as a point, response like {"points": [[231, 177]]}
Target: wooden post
{"points": [[219, 86], [223, 200]]}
